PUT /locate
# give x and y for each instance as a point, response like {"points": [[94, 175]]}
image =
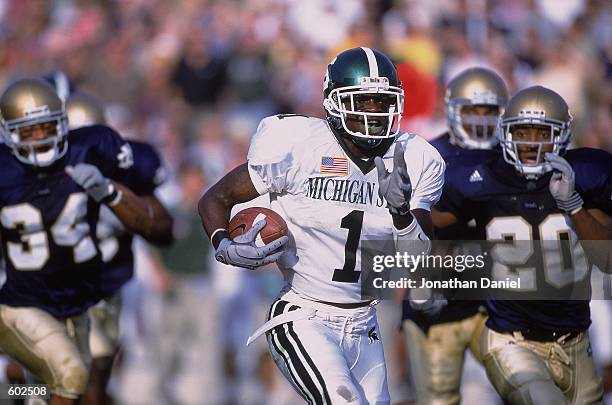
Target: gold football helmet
{"points": [[84, 110], [33, 121], [474, 87], [542, 109]]}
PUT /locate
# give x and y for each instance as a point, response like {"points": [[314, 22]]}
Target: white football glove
{"points": [[93, 182], [242, 252], [562, 184], [395, 187]]}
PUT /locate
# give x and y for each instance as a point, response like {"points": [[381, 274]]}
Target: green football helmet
{"points": [[359, 74]]}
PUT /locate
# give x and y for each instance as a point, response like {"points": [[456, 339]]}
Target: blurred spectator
{"points": [[199, 75]]}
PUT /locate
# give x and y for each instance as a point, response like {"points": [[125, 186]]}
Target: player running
{"points": [[537, 352], [115, 244], [337, 182], [437, 334], [53, 184]]}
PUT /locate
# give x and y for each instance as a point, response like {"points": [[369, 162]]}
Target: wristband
{"points": [[577, 210], [113, 197], [401, 222], [217, 236], [117, 198], [572, 204]]}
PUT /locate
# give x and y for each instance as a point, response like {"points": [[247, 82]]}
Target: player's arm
{"points": [[136, 213], [410, 210], [592, 224], [443, 219], [409, 222], [589, 224], [216, 204], [215, 207], [270, 160], [163, 220], [424, 218], [145, 216], [145, 175]]}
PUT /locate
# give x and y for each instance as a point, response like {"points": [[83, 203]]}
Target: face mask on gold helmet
{"points": [[30, 103], [474, 87]]}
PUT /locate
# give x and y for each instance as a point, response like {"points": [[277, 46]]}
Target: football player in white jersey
{"points": [[337, 182]]}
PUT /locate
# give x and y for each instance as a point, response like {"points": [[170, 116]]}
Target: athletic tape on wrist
{"points": [[217, 236], [115, 198]]}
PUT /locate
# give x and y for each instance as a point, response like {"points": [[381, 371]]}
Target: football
{"points": [[244, 220]]}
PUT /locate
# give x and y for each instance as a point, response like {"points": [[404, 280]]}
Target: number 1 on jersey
{"points": [[347, 274]]}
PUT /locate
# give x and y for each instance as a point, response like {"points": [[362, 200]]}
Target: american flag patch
{"points": [[334, 165]]}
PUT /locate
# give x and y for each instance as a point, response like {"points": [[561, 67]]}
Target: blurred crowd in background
{"points": [[194, 77]]}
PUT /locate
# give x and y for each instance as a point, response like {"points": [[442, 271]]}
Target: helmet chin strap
{"points": [[43, 158], [335, 124], [365, 145], [534, 173]]}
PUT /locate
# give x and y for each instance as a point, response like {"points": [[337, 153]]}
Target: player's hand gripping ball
{"points": [[244, 220], [256, 238]]}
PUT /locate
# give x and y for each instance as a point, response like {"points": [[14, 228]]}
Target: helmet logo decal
{"points": [[484, 97], [125, 157], [31, 111], [374, 83], [537, 114], [371, 61]]}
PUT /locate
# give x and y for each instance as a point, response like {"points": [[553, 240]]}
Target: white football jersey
{"points": [[329, 204]]}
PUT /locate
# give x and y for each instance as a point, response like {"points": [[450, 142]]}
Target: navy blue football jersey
{"points": [[455, 310], [505, 205], [47, 224], [452, 153], [114, 240]]}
